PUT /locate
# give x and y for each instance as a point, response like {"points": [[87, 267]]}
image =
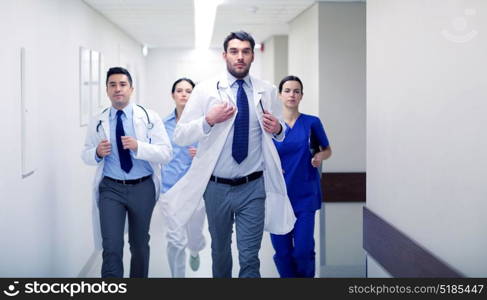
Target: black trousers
{"points": [[117, 201]]}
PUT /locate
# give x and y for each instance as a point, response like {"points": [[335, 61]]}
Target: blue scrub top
{"points": [[302, 179], [181, 161]]}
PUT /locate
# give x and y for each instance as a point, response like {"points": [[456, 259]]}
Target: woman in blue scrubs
{"points": [[302, 151]]}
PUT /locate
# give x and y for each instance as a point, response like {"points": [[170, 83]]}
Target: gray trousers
{"points": [[117, 201], [245, 205]]}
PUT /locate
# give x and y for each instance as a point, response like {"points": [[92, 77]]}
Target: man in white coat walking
{"points": [[128, 144], [236, 169]]}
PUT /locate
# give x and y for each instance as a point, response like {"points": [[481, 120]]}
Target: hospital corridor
{"points": [[125, 105]]}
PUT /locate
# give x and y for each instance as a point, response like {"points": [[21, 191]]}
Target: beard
{"points": [[119, 103], [238, 74]]}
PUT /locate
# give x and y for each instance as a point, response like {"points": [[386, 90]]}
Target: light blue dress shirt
{"points": [[226, 165], [181, 161], [112, 167]]}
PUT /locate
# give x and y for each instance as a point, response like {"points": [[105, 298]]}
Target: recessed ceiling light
{"points": [[145, 50], [204, 20], [252, 9]]}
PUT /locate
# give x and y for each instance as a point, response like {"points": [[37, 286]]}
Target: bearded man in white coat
{"points": [[236, 169]]}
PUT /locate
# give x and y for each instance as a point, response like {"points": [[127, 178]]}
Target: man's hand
{"points": [[271, 124], [104, 148], [129, 142], [219, 113], [192, 151]]}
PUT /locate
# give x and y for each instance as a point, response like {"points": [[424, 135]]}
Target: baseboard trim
{"points": [[90, 264], [398, 254]]}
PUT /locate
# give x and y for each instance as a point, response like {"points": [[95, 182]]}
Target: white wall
{"points": [[164, 66], [268, 62], [346, 244], [327, 51], [304, 56], [275, 59], [426, 135], [281, 58], [342, 83], [342, 101], [46, 218]]}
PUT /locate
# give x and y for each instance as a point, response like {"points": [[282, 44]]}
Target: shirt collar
{"points": [[171, 116], [128, 110], [232, 79]]}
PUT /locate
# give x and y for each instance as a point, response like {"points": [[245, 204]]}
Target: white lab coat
{"points": [[182, 200], [153, 146]]}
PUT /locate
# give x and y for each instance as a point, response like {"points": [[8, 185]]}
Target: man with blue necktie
{"points": [[236, 169], [128, 143]]}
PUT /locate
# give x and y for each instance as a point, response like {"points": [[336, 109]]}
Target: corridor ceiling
{"points": [[170, 24]]}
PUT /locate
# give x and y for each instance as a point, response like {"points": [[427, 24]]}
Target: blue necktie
{"points": [[123, 154], [240, 144]]}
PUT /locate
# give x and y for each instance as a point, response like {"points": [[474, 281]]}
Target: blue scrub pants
{"points": [[117, 201], [295, 251]]}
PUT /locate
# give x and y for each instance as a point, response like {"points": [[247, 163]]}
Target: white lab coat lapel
{"points": [[258, 91], [105, 123], [226, 92], [139, 121]]}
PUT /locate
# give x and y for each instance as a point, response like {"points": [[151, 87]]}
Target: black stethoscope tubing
{"points": [[150, 125]]}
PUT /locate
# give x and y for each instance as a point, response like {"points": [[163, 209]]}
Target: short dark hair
{"points": [[179, 80], [239, 35], [290, 78], [118, 70]]}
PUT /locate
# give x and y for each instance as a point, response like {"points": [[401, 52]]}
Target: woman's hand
{"points": [[192, 151], [316, 160], [320, 156]]}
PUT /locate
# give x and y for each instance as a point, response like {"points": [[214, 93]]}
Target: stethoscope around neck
{"points": [[149, 125], [218, 90]]}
